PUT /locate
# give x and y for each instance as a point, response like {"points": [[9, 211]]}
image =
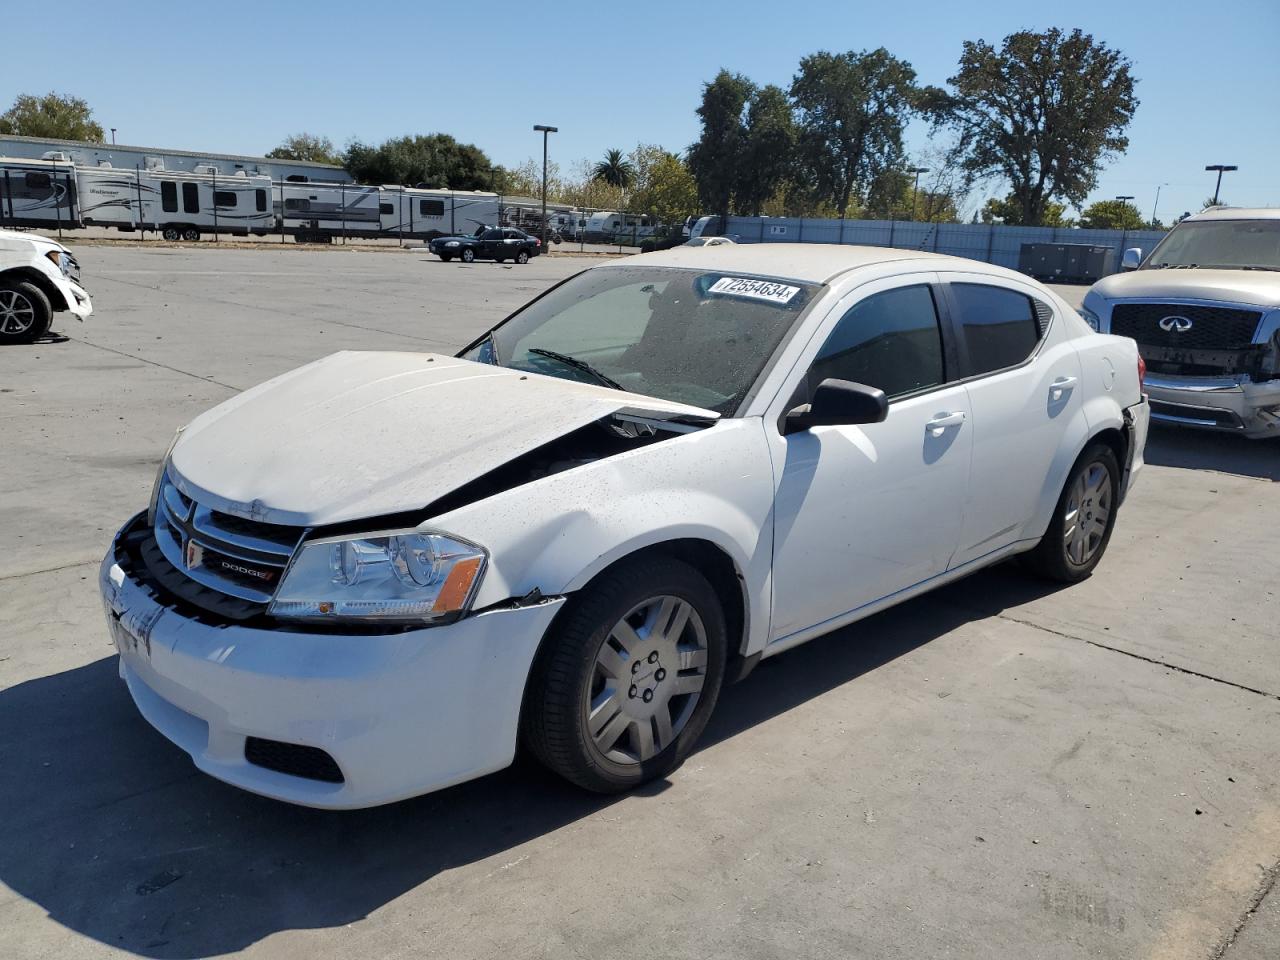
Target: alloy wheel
{"points": [[1087, 513], [17, 313], [646, 681]]}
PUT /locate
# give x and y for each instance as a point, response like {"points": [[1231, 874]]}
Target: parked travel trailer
{"points": [[319, 212], [417, 214], [179, 204]]}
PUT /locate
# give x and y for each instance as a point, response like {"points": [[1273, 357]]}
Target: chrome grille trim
{"points": [[250, 550]]}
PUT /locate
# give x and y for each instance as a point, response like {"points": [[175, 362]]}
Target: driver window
{"points": [[889, 340]]}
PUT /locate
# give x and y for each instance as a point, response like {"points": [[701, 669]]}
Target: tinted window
{"points": [[431, 208], [38, 181], [386, 208], [999, 327], [296, 203], [492, 235], [296, 178], [889, 340], [260, 198], [190, 198], [169, 197], [224, 198]]}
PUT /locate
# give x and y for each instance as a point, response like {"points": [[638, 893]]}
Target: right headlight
{"points": [[404, 576], [1090, 318]]}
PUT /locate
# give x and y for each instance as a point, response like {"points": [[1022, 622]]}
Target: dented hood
{"points": [[358, 435]]}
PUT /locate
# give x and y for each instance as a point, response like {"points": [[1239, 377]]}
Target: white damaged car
{"points": [[38, 278], [376, 575]]}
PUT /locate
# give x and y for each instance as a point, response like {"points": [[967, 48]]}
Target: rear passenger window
{"points": [[889, 340], [999, 327]]}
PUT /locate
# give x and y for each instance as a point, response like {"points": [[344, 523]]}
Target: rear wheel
{"points": [[191, 234], [468, 256], [172, 234], [25, 312], [522, 256], [1083, 519], [624, 687]]}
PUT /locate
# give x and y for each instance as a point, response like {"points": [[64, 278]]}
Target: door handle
{"points": [[944, 420], [1060, 387]]}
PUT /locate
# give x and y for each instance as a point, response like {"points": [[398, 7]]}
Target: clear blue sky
{"points": [[238, 77]]}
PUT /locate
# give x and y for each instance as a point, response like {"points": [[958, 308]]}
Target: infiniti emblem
{"points": [[1175, 324]]}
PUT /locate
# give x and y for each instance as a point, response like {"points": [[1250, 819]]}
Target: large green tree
{"points": [[307, 146], [1008, 211], [768, 150], [54, 116], [669, 193], [718, 159], [1043, 111], [1112, 215], [851, 111], [435, 160]]}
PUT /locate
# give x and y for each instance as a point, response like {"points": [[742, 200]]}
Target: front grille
{"points": [[1212, 328], [310, 763], [242, 558]]}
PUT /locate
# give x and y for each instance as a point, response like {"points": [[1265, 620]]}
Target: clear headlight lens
{"points": [[155, 487], [452, 243], [1090, 318], [404, 576]]}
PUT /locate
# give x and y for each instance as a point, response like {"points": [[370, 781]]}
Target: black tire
{"points": [[191, 235], [499, 259], [522, 256], [554, 725], [468, 256], [25, 312], [1052, 557], [172, 234], [445, 257]]}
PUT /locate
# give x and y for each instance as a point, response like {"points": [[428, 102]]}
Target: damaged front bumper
{"points": [[319, 718], [1233, 404]]}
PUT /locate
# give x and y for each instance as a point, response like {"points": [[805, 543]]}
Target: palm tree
{"points": [[615, 170]]}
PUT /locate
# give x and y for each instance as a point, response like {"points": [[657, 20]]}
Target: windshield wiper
{"points": [[582, 365]]}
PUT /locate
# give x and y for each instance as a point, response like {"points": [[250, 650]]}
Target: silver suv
{"points": [[1204, 308]]}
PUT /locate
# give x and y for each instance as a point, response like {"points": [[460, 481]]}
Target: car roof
{"points": [[1237, 213], [806, 262]]}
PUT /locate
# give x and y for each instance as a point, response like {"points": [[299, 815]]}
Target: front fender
{"points": [[556, 533]]}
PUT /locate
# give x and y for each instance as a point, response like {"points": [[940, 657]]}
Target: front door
{"points": [[862, 512]]}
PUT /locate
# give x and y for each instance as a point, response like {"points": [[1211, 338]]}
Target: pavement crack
{"points": [[36, 573], [1127, 653], [1269, 878], [155, 363]]}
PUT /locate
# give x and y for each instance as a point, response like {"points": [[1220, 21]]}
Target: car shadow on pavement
{"points": [[1203, 450], [111, 831]]}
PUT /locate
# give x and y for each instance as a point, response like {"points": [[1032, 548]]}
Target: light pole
{"points": [[113, 136], [915, 189], [1221, 168], [1124, 226], [546, 131], [1156, 206]]}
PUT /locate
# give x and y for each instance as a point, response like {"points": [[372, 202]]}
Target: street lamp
{"points": [[915, 189], [545, 132], [1156, 206], [1221, 168], [113, 136]]}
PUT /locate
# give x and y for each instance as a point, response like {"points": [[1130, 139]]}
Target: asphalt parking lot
{"points": [[998, 769]]}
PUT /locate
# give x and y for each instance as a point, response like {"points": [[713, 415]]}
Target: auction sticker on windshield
{"points": [[754, 289]]}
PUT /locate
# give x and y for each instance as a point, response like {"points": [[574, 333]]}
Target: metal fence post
{"points": [[991, 240], [892, 225], [282, 211]]}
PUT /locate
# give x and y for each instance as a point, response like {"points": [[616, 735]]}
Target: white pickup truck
{"points": [[38, 278]]}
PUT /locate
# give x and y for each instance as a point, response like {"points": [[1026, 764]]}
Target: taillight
{"points": [[1142, 373]]}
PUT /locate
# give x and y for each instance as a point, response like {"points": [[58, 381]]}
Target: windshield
{"points": [[688, 336], [1229, 244]]}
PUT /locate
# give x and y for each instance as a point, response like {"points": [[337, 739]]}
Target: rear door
{"points": [[1022, 376]]}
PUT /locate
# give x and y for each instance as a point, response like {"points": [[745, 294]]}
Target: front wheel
{"points": [[25, 312], [624, 686], [522, 256], [445, 257], [468, 256], [172, 234], [1083, 520]]}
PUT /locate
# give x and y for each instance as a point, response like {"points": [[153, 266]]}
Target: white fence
{"points": [[977, 241]]}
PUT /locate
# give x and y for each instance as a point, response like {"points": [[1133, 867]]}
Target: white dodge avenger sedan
{"points": [[376, 575]]}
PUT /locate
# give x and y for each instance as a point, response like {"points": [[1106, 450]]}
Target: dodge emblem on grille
{"points": [[194, 555], [1175, 324]]}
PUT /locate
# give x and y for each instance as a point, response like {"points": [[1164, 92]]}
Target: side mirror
{"points": [[1132, 259], [838, 403]]}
